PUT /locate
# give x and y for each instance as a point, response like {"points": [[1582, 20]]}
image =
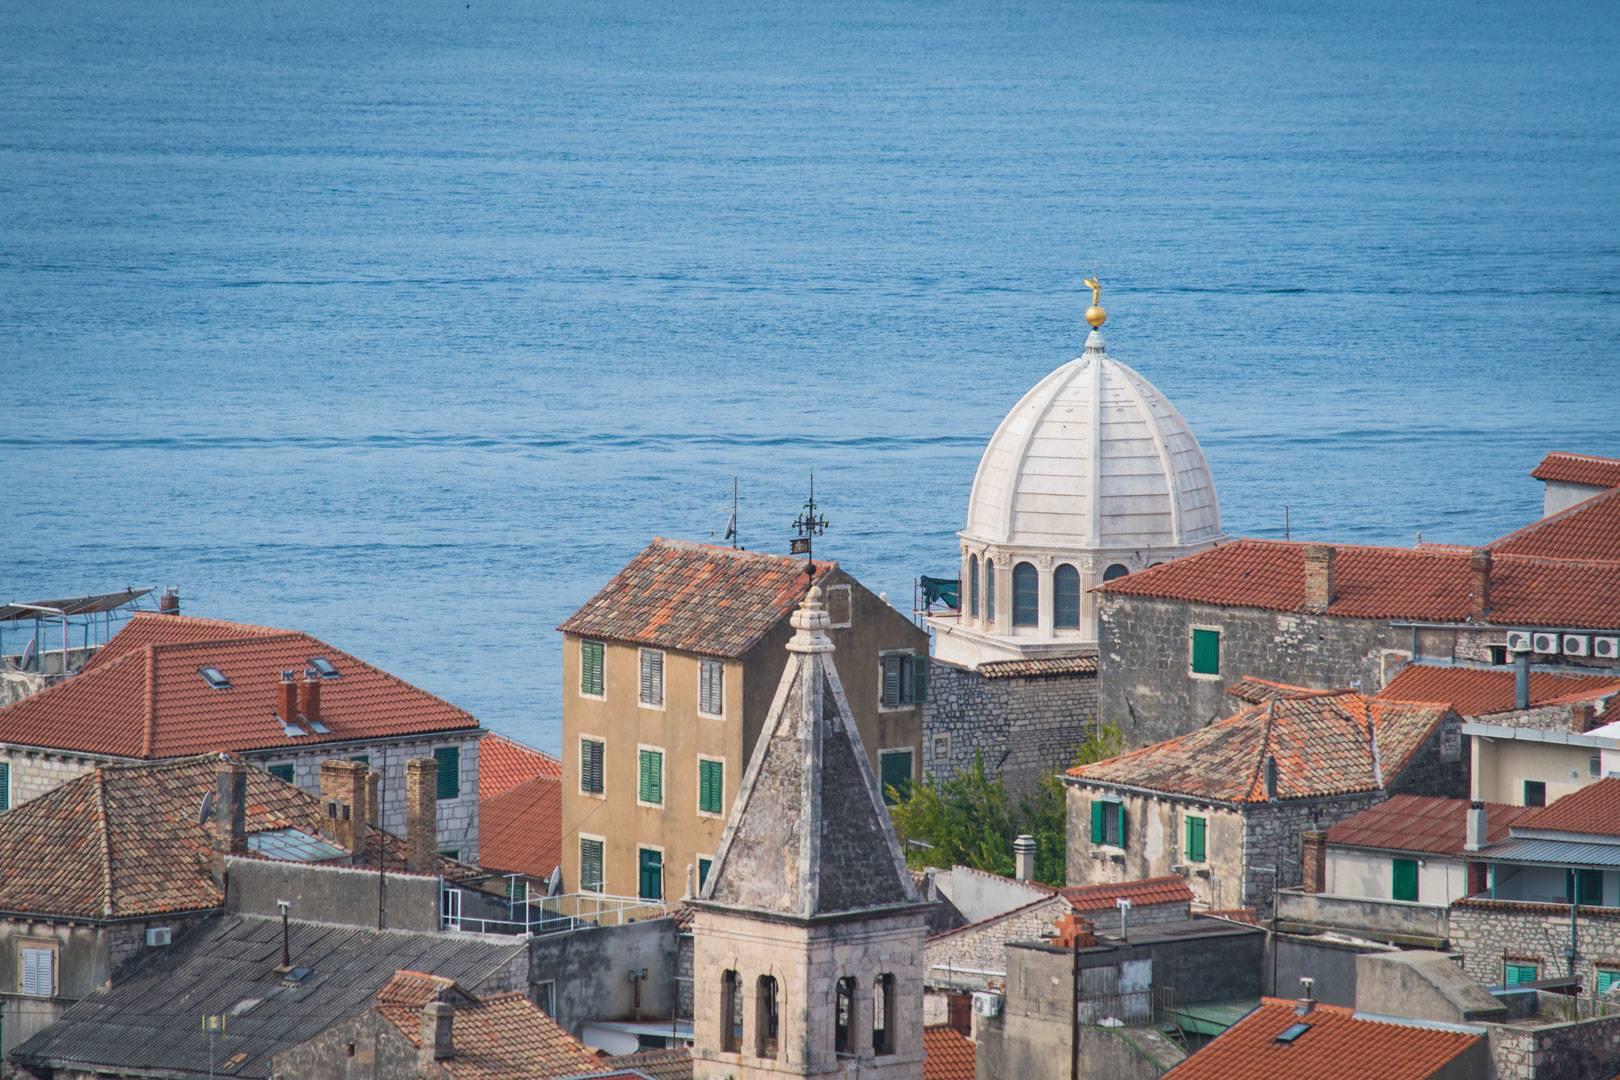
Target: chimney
{"points": [[374, 799], [438, 1033], [1024, 857], [169, 602], [1581, 716], [1313, 854], [287, 698], [229, 818], [1307, 1000], [421, 814], [1479, 580], [1318, 577], [310, 705], [1521, 682], [1271, 776], [343, 794], [1474, 838]]}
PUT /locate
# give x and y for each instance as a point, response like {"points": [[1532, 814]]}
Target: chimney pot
{"points": [[1319, 586], [421, 814], [438, 1032], [311, 695], [1474, 837], [1479, 572], [1024, 857], [169, 602], [287, 699], [1307, 1001], [230, 806]]}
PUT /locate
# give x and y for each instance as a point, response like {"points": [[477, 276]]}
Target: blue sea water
{"points": [[408, 323]]}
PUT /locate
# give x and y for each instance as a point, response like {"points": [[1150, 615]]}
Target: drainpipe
{"points": [[1569, 953]]}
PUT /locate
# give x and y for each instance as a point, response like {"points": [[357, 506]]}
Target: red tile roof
{"points": [[520, 831], [668, 1064], [1255, 690], [1479, 692], [695, 598], [1587, 530], [1333, 1040], [151, 628], [1056, 665], [948, 1054], [505, 763], [150, 702], [495, 1037], [1169, 889], [1322, 745], [1389, 583], [1564, 467], [1421, 823], [1593, 810], [123, 840]]}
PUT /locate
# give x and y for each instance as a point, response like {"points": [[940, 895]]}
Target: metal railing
{"points": [[541, 914]]}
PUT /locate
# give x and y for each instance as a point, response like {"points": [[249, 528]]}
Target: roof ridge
{"points": [[148, 736], [1549, 520], [729, 552], [198, 620], [243, 639], [104, 841]]}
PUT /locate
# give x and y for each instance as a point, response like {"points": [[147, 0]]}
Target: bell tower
{"points": [[809, 932]]}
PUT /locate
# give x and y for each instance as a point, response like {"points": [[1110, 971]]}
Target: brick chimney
{"points": [[437, 1034], [343, 796], [374, 799], [1313, 852], [229, 816], [169, 602], [1318, 577], [1024, 857], [421, 814], [1581, 716], [1479, 580], [287, 698], [310, 696]]}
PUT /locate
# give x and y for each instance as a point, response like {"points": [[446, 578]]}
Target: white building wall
{"points": [[1370, 875]]}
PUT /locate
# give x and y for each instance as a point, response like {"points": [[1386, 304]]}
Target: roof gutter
{"points": [[116, 920]]}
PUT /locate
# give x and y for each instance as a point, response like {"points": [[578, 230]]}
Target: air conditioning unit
{"points": [[1576, 644], [1544, 642], [157, 937], [1518, 641], [986, 1004], [1606, 648]]}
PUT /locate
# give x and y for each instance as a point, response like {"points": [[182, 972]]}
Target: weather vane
{"points": [[808, 525]]}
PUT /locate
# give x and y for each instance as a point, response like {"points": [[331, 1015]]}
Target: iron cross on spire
{"points": [[808, 525]]}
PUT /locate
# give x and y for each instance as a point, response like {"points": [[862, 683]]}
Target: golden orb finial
{"points": [[1095, 315]]}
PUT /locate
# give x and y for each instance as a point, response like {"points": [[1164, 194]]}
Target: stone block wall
{"points": [[1589, 1048], [34, 772], [1024, 727], [1490, 932], [1272, 835], [982, 946]]}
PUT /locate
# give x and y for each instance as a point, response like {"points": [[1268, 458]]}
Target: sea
{"points": [[408, 323]]}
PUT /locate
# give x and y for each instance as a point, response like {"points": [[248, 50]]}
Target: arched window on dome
{"points": [[1066, 597], [973, 586], [1118, 570], [1026, 609], [990, 590]]}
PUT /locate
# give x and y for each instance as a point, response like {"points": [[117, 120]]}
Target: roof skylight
{"points": [[215, 678], [291, 729], [317, 727], [1292, 1032], [323, 667]]}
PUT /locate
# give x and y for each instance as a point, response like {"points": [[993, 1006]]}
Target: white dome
{"points": [[1093, 457]]}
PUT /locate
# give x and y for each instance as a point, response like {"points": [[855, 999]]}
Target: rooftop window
{"points": [[1292, 1032], [317, 727], [323, 667], [293, 730], [292, 845], [215, 678]]}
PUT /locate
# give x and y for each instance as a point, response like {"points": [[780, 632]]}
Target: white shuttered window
{"points": [[652, 677], [712, 687], [39, 971]]}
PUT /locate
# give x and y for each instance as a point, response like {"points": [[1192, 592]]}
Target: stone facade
{"points": [[1025, 728], [1490, 933], [33, 771], [1556, 1051]]}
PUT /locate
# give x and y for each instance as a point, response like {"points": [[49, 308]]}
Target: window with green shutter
{"points": [[905, 679], [1606, 979], [449, 759], [282, 772], [711, 787], [590, 865], [703, 871], [1206, 652], [1404, 885], [650, 787], [651, 874], [590, 766], [590, 668], [5, 786], [1588, 887], [896, 770], [1195, 839], [1515, 974], [1108, 823]]}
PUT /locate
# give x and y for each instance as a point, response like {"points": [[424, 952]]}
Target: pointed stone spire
{"points": [[809, 835]]}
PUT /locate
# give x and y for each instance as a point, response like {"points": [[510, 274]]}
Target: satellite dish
{"points": [[554, 883], [206, 808]]}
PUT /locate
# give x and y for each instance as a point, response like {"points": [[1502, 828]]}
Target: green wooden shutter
{"points": [[651, 874], [711, 688], [1195, 839], [1405, 879], [891, 681], [590, 865], [590, 668], [1122, 833], [896, 775], [703, 871], [1098, 833], [590, 766], [1606, 980], [449, 759], [651, 789], [1517, 974], [919, 680], [1206, 652], [711, 786], [5, 786], [1589, 887]]}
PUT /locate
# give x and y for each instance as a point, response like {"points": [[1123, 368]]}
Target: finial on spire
{"points": [[811, 623], [1095, 315]]}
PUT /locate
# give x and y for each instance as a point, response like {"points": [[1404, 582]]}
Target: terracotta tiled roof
{"points": [[1169, 889], [151, 628], [1057, 665], [1333, 1039], [1389, 583], [1255, 690], [123, 840], [1478, 692], [1593, 810], [1587, 530], [520, 831], [672, 1064], [1421, 823], [505, 763], [696, 598], [948, 1054], [1322, 745], [151, 702], [1564, 467], [500, 1036]]}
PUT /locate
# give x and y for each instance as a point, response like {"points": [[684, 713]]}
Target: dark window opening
{"points": [[767, 1019], [990, 590], [1026, 595], [1115, 572], [1066, 597], [883, 1015], [731, 1012], [1535, 793], [973, 586], [844, 1016]]}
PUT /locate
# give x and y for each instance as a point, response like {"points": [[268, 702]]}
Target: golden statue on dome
{"points": [[1095, 315]]}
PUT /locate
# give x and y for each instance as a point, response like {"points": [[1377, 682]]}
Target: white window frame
{"points": [[450, 907], [849, 603], [663, 679], [663, 776], [546, 991], [26, 946], [601, 886], [697, 796], [579, 770], [910, 752], [908, 684], [1220, 641], [580, 685], [704, 661]]}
